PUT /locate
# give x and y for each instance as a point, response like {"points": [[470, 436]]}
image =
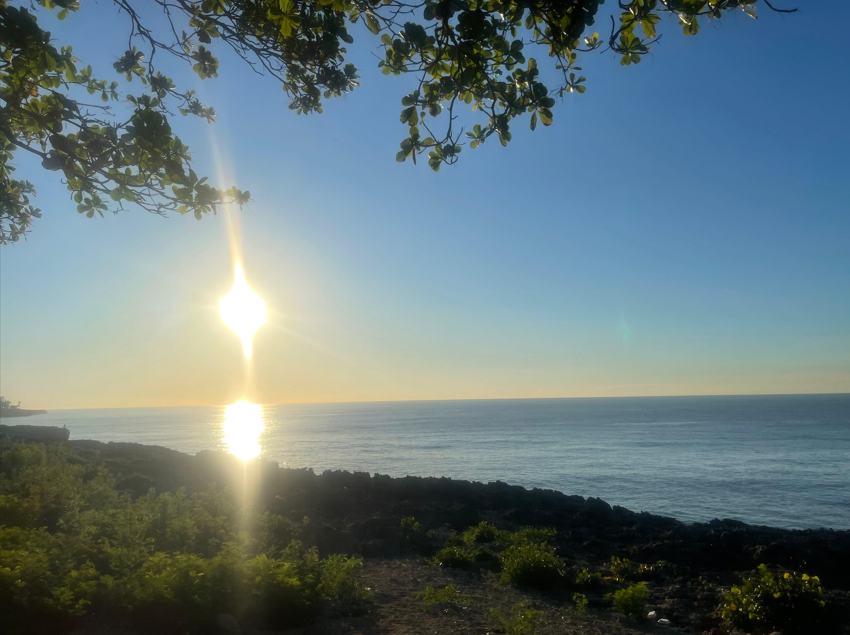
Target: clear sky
{"points": [[683, 228]]}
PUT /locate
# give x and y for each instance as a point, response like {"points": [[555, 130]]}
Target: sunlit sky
{"points": [[683, 228]]}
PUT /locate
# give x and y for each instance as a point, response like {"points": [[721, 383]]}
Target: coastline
{"points": [[691, 460], [361, 515], [11, 413]]}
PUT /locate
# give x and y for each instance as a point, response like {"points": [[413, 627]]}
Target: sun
{"points": [[243, 311]]}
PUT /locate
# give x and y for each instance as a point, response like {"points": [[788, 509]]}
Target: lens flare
{"points": [[243, 311], [243, 425]]}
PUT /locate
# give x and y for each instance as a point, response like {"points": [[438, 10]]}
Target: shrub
{"points": [[523, 620], [449, 595], [530, 535], [534, 565], [457, 557], [580, 601], [768, 601], [584, 579], [482, 532], [273, 532], [339, 583], [621, 567], [631, 600], [71, 544]]}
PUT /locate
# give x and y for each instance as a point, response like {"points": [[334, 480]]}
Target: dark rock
{"points": [[36, 433]]}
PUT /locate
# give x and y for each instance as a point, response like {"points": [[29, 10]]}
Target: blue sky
{"points": [[682, 228]]}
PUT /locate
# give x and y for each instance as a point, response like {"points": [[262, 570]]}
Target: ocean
{"points": [[779, 460]]}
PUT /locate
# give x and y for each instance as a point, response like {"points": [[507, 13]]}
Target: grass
{"points": [[447, 596]]}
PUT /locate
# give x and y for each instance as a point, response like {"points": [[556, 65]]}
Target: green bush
{"points": [[482, 532], [621, 568], [581, 603], [584, 579], [448, 595], [71, 544], [631, 600], [767, 601], [523, 620], [534, 565], [457, 557]]}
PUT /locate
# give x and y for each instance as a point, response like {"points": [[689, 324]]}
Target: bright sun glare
{"points": [[243, 311], [243, 424]]}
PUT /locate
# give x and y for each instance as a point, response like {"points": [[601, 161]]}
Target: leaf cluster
{"points": [[61, 112], [767, 601], [479, 55]]}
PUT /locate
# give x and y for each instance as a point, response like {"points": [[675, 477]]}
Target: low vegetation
{"points": [[523, 556], [581, 603], [78, 553], [458, 557], [769, 601], [481, 533], [71, 545], [523, 619], [624, 569], [447, 596], [587, 580], [532, 564], [631, 600]]}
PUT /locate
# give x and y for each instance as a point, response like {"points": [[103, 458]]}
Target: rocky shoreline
{"points": [[361, 514], [36, 433]]}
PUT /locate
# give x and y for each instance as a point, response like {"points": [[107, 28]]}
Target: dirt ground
{"points": [[396, 610]]}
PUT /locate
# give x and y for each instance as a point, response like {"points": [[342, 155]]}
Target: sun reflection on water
{"points": [[243, 425]]}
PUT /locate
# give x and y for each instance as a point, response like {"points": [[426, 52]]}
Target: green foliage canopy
{"points": [[463, 53], [72, 545]]}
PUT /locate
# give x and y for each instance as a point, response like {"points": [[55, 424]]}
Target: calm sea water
{"points": [[773, 460]]}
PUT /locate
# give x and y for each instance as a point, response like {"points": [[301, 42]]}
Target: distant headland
{"points": [[8, 409]]}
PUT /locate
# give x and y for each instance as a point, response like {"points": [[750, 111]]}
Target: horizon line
{"points": [[381, 401]]}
